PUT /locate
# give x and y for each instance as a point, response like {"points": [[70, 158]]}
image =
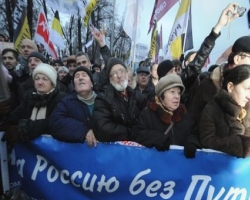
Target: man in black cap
{"points": [[117, 105], [33, 59], [143, 85]]}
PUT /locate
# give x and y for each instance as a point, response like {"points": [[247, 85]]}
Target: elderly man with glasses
{"points": [[117, 105]]}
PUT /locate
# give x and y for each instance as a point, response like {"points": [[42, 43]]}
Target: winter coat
{"points": [[71, 119], [149, 129], [34, 128], [221, 128], [193, 70], [114, 115]]}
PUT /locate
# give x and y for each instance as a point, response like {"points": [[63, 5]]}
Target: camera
{"points": [[239, 10]]}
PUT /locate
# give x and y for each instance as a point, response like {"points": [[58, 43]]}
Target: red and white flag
{"points": [[42, 34]]}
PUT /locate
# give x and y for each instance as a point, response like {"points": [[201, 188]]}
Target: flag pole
{"points": [[185, 35], [112, 33], [134, 35]]}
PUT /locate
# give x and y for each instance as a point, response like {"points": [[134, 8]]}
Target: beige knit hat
{"points": [[167, 82], [47, 70]]}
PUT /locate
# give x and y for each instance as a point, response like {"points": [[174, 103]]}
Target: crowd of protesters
{"points": [[158, 105]]}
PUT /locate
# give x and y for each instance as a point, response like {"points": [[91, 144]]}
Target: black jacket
{"points": [[114, 116], [153, 122]]}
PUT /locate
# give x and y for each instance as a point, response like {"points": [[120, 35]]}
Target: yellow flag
{"points": [[174, 45], [89, 9], [20, 24], [152, 50]]}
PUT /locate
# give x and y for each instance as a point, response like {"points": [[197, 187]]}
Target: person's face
{"points": [[43, 85], [56, 66], [96, 69], [9, 60], [178, 70], [33, 62], [243, 58], [61, 74], [65, 63], [172, 98], [27, 47], [2, 38], [71, 67], [82, 82], [83, 61], [240, 92], [142, 79], [130, 79], [118, 77], [154, 71]]}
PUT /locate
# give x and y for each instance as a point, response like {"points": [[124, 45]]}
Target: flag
{"points": [[180, 33], [72, 7], [153, 44], [160, 9], [20, 24], [132, 19], [56, 34], [88, 10], [42, 34]]}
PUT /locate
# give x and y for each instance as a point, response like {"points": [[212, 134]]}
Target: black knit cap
{"points": [[114, 61], [81, 68], [242, 44], [164, 67], [37, 55]]}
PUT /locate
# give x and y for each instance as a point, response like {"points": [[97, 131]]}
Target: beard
{"points": [[120, 87]]}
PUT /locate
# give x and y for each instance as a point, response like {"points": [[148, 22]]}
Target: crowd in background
{"points": [[75, 99]]}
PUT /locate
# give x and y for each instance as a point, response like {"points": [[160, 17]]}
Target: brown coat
{"points": [[220, 129]]}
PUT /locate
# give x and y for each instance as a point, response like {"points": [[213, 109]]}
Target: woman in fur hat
{"points": [[165, 121], [30, 119], [222, 126]]}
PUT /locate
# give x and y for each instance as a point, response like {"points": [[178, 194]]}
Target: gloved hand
{"points": [[23, 127], [190, 150], [10, 136], [165, 146]]}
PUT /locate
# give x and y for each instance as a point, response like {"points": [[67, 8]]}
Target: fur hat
{"points": [[63, 68], [47, 70], [85, 69], [164, 67], [167, 82], [38, 55], [242, 44], [71, 59], [114, 61], [143, 70]]}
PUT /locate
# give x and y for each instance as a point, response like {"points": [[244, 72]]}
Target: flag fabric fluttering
{"points": [[132, 18], [161, 7], [56, 34], [179, 34], [42, 34], [20, 24], [89, 8], [72, 7], [153, 44]]}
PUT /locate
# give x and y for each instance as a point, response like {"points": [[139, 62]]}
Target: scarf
{"points": [[89, 101], [165, 115], [40, 108]]}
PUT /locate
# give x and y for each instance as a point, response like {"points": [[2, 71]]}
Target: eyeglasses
{"points": [[118, 72], [245, 55]]}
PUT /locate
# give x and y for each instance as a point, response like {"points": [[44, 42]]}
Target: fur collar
{"points": [[165, 115]]}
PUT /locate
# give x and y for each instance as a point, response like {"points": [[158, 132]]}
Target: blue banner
{"points": [[50, 169]]}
